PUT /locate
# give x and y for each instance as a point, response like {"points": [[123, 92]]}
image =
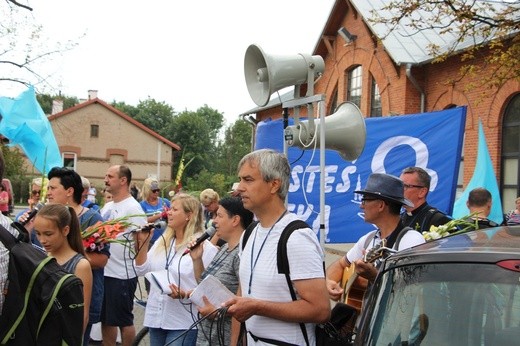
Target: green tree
{"points": [[46, 100], [236, 143], [192, 133], [492, 25], [15, 170], [155, 115], [125, 108]]}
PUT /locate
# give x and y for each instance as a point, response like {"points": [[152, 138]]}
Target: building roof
{"points": [[117, 112], [404, 44]]}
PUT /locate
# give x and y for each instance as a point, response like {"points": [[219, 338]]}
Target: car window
{"points": [[444, 304]]}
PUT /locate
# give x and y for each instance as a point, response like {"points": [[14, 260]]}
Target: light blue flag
{"points": [[24, 124], [483, 176]]}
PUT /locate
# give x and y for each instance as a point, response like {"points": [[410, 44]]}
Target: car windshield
{"points": [[444, 304]]}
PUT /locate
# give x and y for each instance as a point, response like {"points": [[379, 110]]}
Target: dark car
{"points": [[459, 290]]}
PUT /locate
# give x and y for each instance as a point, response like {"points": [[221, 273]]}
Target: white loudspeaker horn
{"points": [[266, 74], [345, 132]]}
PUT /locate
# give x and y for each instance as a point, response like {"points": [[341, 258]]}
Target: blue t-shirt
{"points": [[152, 210], [89, 218]]}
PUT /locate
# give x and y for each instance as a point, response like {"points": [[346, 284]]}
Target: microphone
{"points": [[32, 213], [150, 226], [206, 235]]}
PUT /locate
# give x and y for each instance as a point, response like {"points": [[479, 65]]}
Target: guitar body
{"points": [[354, 287]]}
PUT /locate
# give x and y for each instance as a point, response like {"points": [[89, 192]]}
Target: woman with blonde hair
{"points": [[170, 315], [153, 205]]}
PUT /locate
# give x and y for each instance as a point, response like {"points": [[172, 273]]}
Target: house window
{"points": [[511, 154], [94, 131], [375, 100], [354, 85], [69, 160]]}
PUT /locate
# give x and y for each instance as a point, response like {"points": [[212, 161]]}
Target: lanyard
{"points": [[253, 263]]}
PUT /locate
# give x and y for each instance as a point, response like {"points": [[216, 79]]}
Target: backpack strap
{"points": [[7, 238], [51, 301], [283, 261], [26, 298], [247, 233], [370, 238], [400, 236]]}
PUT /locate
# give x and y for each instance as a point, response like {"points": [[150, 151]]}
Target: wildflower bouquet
{"points": [[455, 226], [96, 237]]}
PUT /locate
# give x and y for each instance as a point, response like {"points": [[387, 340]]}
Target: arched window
{"points": [[354, 85], [511, 154]]}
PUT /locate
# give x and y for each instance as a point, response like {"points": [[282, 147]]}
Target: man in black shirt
{"points": [[479, 203], [416, 187]]}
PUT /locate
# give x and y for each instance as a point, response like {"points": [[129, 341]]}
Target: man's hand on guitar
{"points": [[366, 270], [335, 290]]}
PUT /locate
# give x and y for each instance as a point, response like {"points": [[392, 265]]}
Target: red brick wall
{"points": [[440, 82]]}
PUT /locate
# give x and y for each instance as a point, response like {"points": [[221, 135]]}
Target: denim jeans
{"points": [[161, 337]]}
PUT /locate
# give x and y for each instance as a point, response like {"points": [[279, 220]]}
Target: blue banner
{"points": [[432, 141]]}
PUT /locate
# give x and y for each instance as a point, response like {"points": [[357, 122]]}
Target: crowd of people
{"points": [[169, 243]]}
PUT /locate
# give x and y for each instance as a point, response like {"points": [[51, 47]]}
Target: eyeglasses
{"points": [[409, 186], [156, 190], [365, 200], [35, 192]]}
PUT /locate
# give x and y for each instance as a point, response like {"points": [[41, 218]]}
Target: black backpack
{"points": [[43, 303]]}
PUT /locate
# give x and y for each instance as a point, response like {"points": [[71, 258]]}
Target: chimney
{"points": [[92, 94], [57, 106]]}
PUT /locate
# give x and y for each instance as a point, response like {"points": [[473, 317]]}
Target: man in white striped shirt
{"points": [[264, 299]]}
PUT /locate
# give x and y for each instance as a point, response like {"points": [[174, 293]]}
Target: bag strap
{"points": [[369, 239], [401, 235], [7, 238], [283, 262], [51, 301], [247, 233], [26, 298]]}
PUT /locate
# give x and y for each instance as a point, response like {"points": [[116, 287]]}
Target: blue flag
{"points": [[432, 141], [24, 124], [483, 176]]}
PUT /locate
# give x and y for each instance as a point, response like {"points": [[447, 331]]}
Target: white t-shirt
{"points": [[162, 311], [120, 265], [305, 262]]}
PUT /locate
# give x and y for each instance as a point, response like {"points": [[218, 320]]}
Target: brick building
{"points": [[93, 135], [395, 77]]}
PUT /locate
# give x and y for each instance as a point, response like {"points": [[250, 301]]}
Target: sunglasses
{"points": [[156, 190], [35, 192], [409, 186]]}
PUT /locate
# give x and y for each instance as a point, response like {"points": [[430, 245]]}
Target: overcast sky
{"points": [[185, 53]]}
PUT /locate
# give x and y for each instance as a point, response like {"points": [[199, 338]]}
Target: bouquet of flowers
{"points": [[96, 237], [455, 226]]}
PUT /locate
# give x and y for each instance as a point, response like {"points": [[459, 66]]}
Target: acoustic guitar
{"points": [[355, 286]]}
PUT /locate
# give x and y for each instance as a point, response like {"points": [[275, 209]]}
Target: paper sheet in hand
{"points": [[160, 279], [213, 289]]}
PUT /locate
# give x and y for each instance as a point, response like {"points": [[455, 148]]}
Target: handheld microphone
{"points": [[206, 235], [150, 226], [32, 213]]}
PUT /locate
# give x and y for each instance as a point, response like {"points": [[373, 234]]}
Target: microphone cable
{"points": [[197, 322]]}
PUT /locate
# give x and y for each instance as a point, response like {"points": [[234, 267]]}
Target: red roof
{"points": [[119, 113]]}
